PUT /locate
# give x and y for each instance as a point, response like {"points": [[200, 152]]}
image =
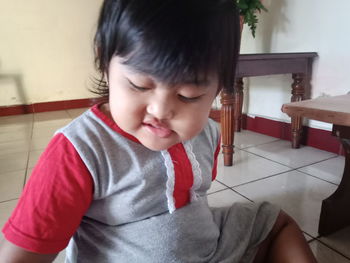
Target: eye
{"points": [[138, 88], [188, 99]]}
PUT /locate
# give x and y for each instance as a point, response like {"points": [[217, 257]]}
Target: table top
{"points": [[270, 56], [335, 110]]}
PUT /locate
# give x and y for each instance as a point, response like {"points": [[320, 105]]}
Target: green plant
{"points": [[248, 9]]}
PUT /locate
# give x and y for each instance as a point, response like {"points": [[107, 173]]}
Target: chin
{"points": [[158, 146]]}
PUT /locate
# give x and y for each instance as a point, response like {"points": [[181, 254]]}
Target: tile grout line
{"points": [[228, 187], [297, 168], [70, 116], [314, 176], [219, 189], [332, 157], [242, 195], [30, 144], [9, 200], [268, 159], [331, 248], [256, 180], [259, 144]]}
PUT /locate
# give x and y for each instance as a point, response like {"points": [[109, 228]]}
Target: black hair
{"points": [[174, 41]]}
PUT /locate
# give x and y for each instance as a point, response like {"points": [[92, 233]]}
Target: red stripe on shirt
{"points": [[216, 155], [183, 175], [53, 201]]}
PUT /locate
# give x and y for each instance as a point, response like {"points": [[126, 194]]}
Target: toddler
{"points": [[127, 180]]}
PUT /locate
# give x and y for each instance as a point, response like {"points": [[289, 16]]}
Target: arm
{"points": [[10, 253], [51, 206]]}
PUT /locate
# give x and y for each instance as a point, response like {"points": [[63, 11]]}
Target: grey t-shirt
{"points": [[151, 206]]}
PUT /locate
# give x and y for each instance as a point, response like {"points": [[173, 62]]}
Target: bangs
{"points": [[173, 41]]}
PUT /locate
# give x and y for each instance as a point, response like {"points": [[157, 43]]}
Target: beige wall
{"points": [[46, 50]]}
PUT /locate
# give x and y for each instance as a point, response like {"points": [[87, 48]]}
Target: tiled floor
{"points": [[265, 168]]}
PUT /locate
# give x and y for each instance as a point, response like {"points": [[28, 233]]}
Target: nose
{"points": [[161, 108]]}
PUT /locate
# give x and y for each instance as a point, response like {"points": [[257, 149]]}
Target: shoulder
{"points": [[211, 132], [208, 139], [86, 121]]}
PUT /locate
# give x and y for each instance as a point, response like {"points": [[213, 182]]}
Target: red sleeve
{"points": [[53, 202], [216, 155]]}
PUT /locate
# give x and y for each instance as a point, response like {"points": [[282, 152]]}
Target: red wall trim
{"points": [[48, 106], [317, 138]]}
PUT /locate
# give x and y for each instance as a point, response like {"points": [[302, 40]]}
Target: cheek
{"points": [[124, 103], [197, 118], [193, 123]]}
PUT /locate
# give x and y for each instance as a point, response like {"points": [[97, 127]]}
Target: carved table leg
{"points": [[227, 126], [335, 212], [297, 95], [238, 95]]}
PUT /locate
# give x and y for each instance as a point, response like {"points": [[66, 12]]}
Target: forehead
{"points": [[201, 80]]}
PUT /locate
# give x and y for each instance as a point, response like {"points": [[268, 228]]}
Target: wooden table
{"points": [[297, 64], [335, 211]]}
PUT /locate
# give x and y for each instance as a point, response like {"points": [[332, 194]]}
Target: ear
{"points": [[98, 51], [105, 77]]}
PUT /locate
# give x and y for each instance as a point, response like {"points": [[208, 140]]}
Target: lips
{"points": [[158, 129]]}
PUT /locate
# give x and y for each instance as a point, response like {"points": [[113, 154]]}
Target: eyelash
{"points": [[181, 97], [137, 87], [186, 99]]}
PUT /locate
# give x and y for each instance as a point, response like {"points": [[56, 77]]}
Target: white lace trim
{"points": [[197, 173], [170, 184]]}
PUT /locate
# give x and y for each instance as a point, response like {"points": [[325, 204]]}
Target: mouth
{"points": [[158, 130]]}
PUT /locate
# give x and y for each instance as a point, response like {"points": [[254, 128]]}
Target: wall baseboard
{"points": [[316, 138], [48, 106]]}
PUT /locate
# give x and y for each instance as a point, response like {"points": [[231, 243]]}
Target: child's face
{"points": [[157, 115]]}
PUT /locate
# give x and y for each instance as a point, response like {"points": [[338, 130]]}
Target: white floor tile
{"points": [[28, 174], [13, 162], [16, 135], [6, 128], [73, 113], [51, 116], [216, 186], [16, 119], [14, 147], [11, 184], [339, 241], [247, 138], [281, 152], [298, 194], [39, 143], [38, 125], [47, 131], [330, 170], [6, 210], [34, 157], [225, 198], [325, 255], [247, 167]]}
